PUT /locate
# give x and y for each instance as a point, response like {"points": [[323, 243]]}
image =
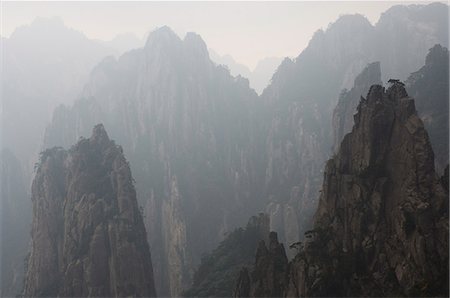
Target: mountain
{"points": [[417, 27], [207, 153], [429, 86], [15, 214], [44, 64], [186, 126], [88, 236], [381, 228], [262, 74], [216, 275], [268, 277], [303, 93], [235, 67], [259, 78], [349, 99], [124, 42]]}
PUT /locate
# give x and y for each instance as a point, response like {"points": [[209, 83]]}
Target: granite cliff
{"points": [[186, 124], [349, 99], [216, 275], [303, 93], [88, 236], [381, 227], [429, 86], [207, 153], [430, 89]]}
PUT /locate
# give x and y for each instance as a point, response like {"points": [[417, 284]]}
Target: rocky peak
{"points": [[100, 136], [349, 99], [429, 86], [268, 277], [195, 42], [216, 275], [163, 36], [437, 55], [381, 228], [381, 198], [88, 236]]}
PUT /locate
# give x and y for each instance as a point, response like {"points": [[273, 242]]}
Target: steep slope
{"points": [[207, 153], [261, 75], [15, 213], [268, 277], [259, 78], [429, 86], [349, 99], [402, 27], [88, 237], [44, 64], [300, 100], [383, 213], [217, 272], [186, 125], [381, 228]]}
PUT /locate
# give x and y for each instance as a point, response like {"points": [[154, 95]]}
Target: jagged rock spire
{"points": [[88, 237]]}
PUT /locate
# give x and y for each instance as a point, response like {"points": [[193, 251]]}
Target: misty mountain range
{"points": [[204, 144]]}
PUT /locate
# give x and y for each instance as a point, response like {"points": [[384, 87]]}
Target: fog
{"points": [[147, 148], [249, 32]]}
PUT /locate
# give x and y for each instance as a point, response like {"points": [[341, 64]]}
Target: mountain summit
{"points": [[88, 237]]}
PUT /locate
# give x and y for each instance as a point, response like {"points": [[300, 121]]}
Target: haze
{"points": [[248, 31], [171, 149]]}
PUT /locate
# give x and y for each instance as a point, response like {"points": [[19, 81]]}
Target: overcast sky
{"points": [[248, 31]]}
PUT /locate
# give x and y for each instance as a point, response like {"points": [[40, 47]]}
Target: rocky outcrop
{"points": [[207, 153], [429, 86], [217, 272], [300, 99], [349, 99], [44, 64], [381, 228], [268, 276], [186, 124], [88, 237]]}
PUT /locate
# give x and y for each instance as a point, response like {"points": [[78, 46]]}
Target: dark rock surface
{"points": [[430, 89], [382, 222], [268, 276], [207, 153], [349, 99], [381, 228], [88, 237], [216, 275]]}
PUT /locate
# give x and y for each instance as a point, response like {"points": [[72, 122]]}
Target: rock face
{"points": [[207, 153], [186, 124], [383, 215], [303, 93], [217, 272], [381, 228], [88, 237], [268, 277], [349, 99], [429, 86], [44, 64]]}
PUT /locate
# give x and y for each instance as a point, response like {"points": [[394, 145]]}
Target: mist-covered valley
{"points": [[157, 167]]}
